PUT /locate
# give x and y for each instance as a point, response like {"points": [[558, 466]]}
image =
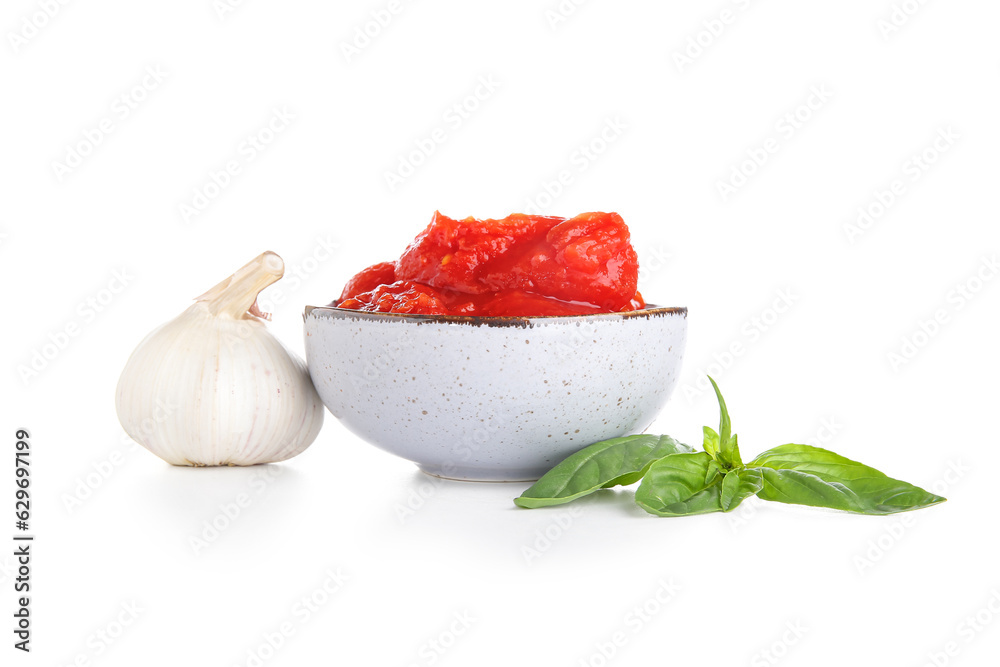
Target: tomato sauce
{"points": [[521, 265]]}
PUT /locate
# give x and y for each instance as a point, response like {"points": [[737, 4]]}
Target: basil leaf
{"points": [[729, 451], [619, 461], [679, 485], [804, 475], [737, 486], [711, 442], [734, 452], [713, 471]]}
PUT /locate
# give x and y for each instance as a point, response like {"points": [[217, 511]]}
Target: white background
{"points": [[545, 587]]}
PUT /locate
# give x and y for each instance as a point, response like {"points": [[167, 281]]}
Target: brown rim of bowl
{"points": [[651, 310]]}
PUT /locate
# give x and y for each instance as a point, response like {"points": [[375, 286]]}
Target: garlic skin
{"points": [[213, 387]]}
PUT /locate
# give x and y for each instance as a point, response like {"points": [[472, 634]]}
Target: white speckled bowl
{"points": [[493, 398]]}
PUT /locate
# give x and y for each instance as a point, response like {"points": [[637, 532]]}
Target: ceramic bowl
{"points": [[493, 398]]}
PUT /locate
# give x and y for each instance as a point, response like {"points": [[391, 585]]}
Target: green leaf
{"points": [[680, 485], [729, 451], [738, 485], [711, 442], [804, 475], [713, 471], [619, 461], [734, 452]]}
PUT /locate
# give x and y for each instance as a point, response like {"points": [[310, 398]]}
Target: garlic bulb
{"points": [[214, 387]]}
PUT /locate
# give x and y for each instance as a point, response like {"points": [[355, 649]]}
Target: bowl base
{"points": [[463, 474]]}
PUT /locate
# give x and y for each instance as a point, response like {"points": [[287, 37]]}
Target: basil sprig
{"points": [[679, 481]]}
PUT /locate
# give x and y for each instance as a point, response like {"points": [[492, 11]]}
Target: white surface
{"points": [[673, 135]]}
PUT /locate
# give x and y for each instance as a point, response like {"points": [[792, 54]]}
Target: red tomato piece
{"points": [[588, 258], [521, 265], [399, 297], [368, 279]]}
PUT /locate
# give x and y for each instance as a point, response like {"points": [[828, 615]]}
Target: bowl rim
{"points": [[651, 310]]}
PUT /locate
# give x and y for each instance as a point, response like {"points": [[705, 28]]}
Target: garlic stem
{"points": [[236, 296]]}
